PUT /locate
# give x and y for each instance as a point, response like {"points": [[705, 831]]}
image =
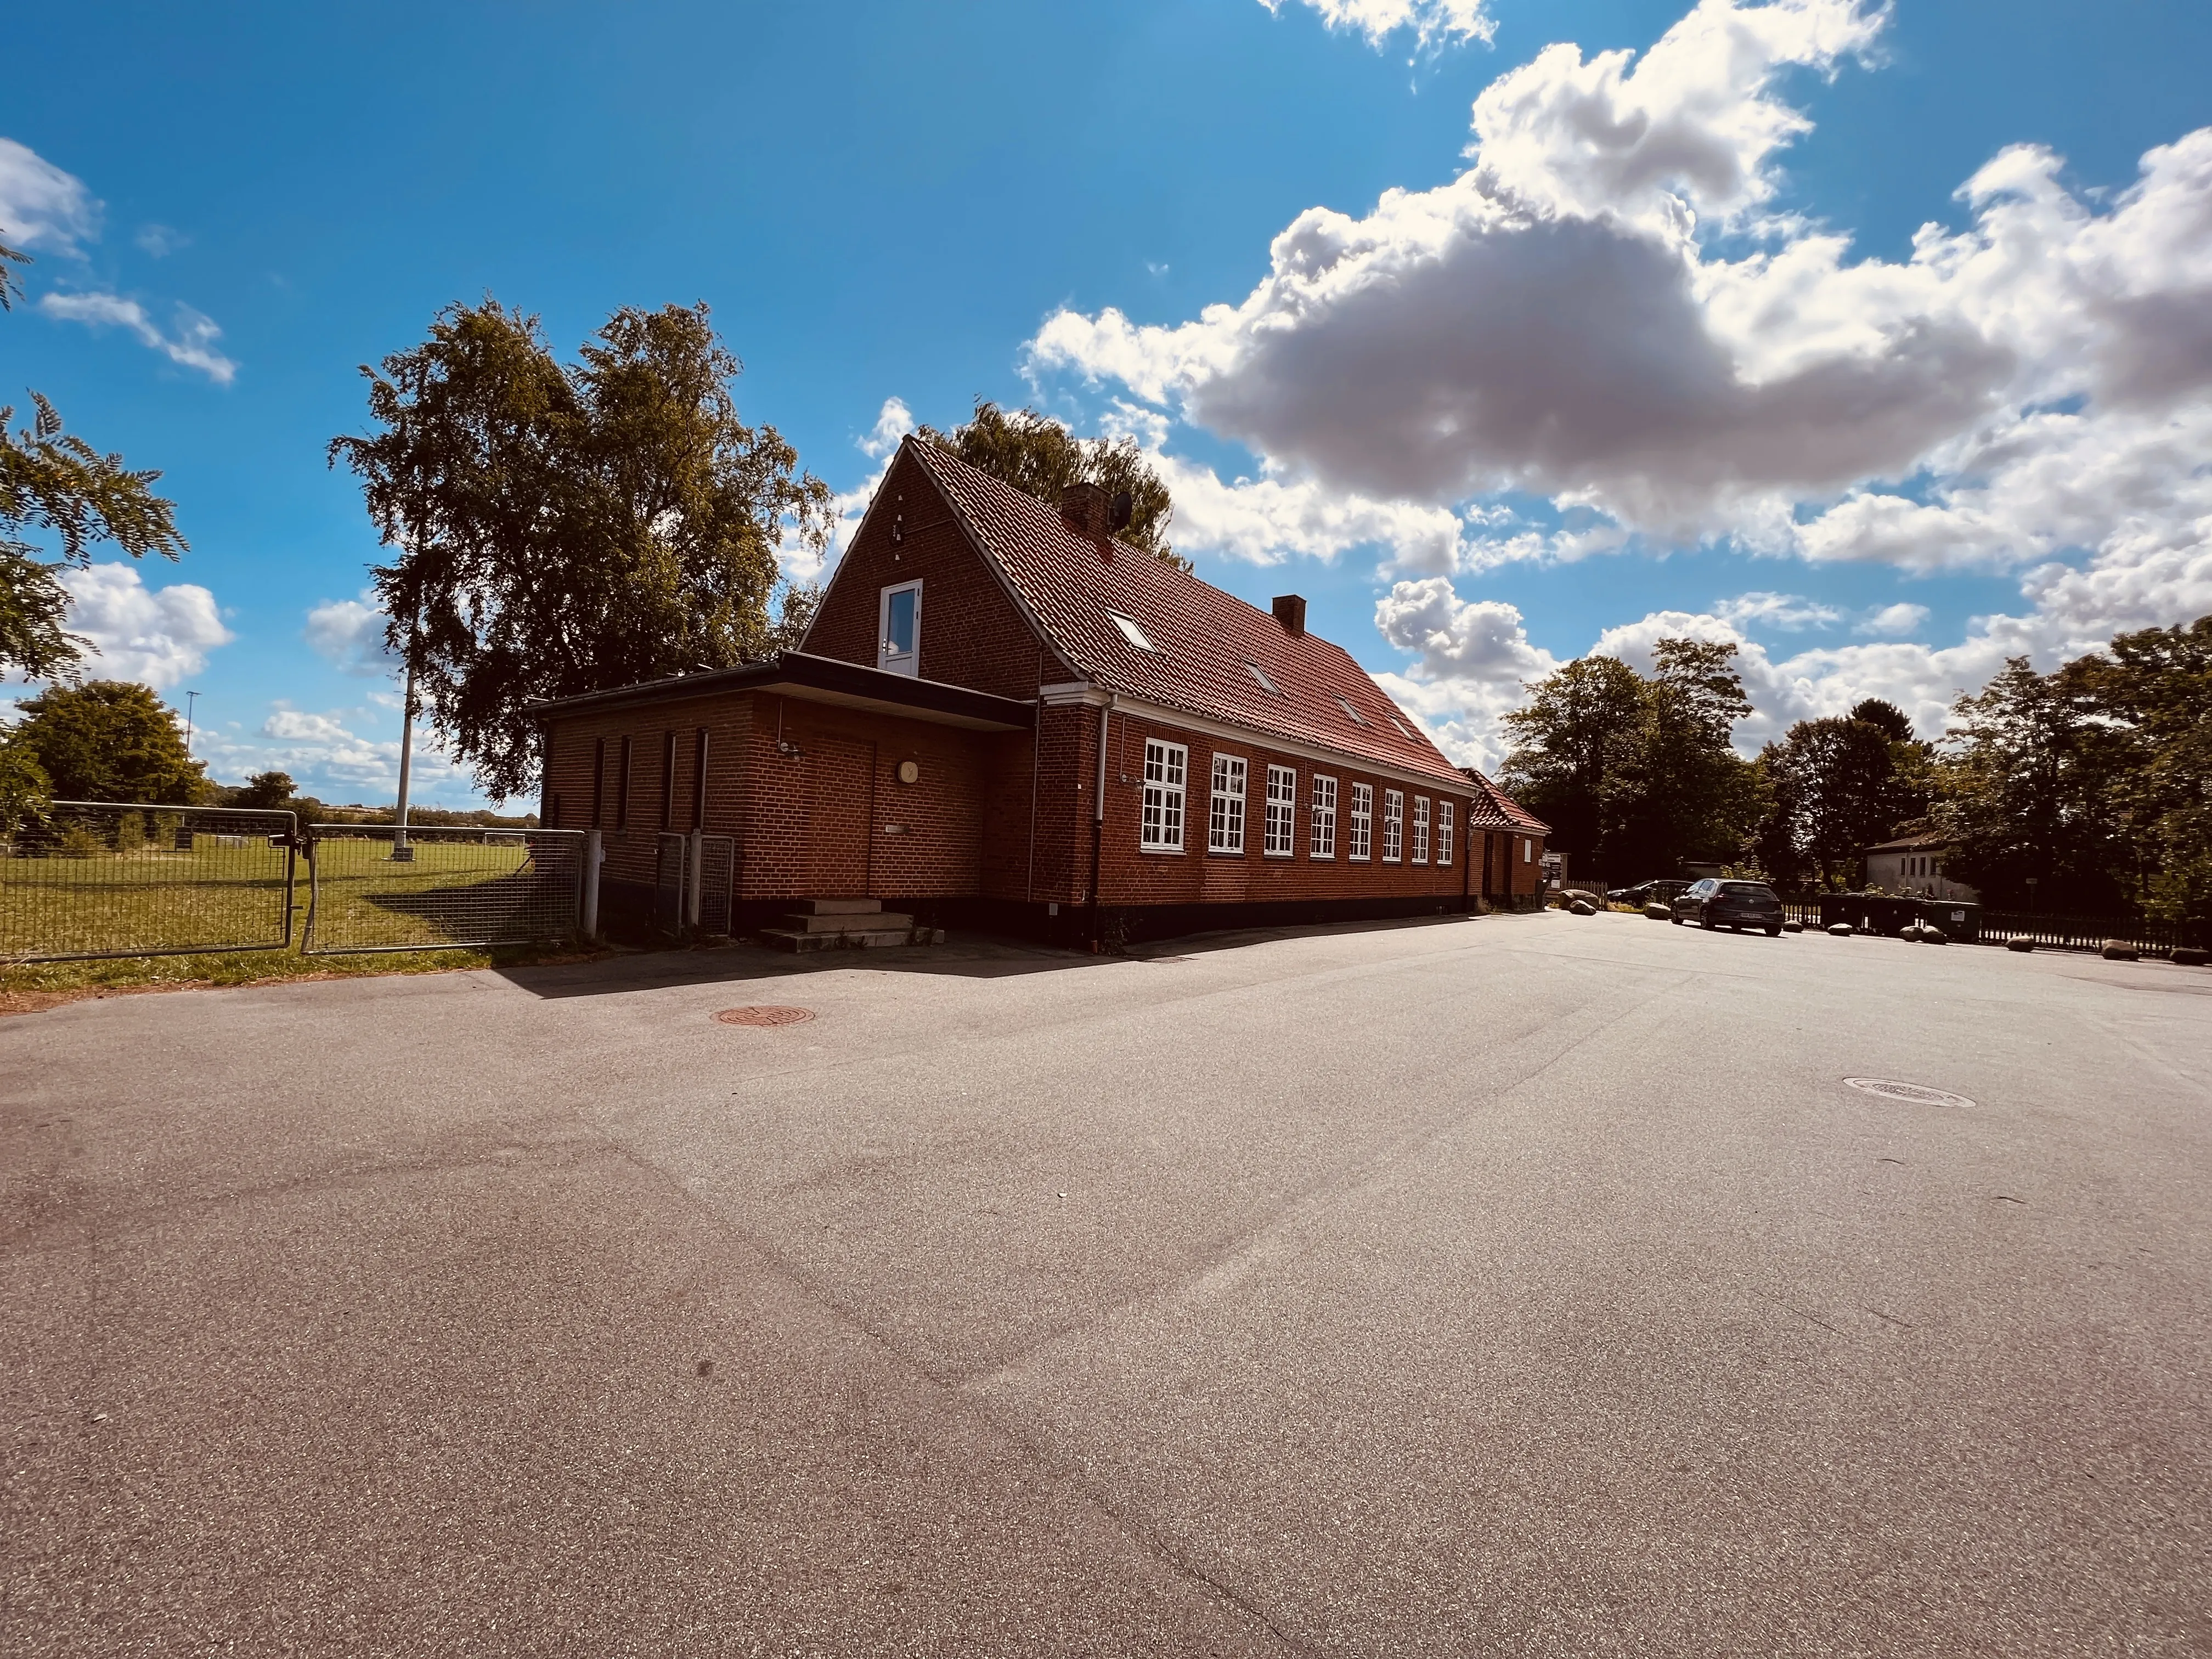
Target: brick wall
{"points": [[972, 632]]}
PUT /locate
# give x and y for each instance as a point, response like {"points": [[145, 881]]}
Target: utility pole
{"points": [[191, 698], [401, 852]]}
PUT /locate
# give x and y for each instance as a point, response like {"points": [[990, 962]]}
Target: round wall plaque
{"points": [[909, 771]]}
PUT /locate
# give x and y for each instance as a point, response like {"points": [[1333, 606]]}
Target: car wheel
{"points": [[1677, 920], [1708, 924]]}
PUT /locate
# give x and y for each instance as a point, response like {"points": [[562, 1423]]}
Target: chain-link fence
{"points": [[101, 879], [443, 888]]}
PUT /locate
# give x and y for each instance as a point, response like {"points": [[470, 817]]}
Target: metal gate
{"points": [[442, 889], [672, 870], [717, 894], [109, 878]]}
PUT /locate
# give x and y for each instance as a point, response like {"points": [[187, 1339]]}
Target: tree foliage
{"points": [[54, 484], [1837, 787], [561, 528], [1039, 455], [270, 790], [1636, 774], [109, 740]]}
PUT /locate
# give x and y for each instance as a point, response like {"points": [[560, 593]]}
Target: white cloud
{"points": [[1433, 22], [802, 563], [893, 421], [1900, 619], [161, 240], [287, 722], [1472, 659], [349, 633], [1786, 611], [192, 344], [1605, 309], [159, 636], [41, 206]]}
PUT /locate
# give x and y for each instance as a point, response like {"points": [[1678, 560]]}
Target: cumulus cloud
{"points": [[284, 722], [1432, 22], [191, 341], [159, 636], [1608, 309], [350, 634], [41, 206], [329, 755]]}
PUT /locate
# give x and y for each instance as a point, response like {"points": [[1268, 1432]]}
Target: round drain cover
{"points": [[764, 1016], [1913, 1094]]}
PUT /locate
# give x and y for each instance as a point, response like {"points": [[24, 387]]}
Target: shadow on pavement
{"points": [[966, 956]]}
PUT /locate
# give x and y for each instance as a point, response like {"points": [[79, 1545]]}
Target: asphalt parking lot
{"points": [[1506, 1286]]}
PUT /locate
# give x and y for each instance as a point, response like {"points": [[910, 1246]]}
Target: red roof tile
{"points": [[1208, 640], [1493, 809]]}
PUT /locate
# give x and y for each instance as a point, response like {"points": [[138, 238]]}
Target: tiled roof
{"points": [[1208, 642], [1494, 809]]}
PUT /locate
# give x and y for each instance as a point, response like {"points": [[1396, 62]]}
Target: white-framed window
{"points": [[898, 629], [1443, 832], [1420, 829], [1323, 818], [1225, 831], [1394, 825], [1131, 632], [1166, 766], [1360, 832], [1528, 849], [1280, 841], [1260, 674]]}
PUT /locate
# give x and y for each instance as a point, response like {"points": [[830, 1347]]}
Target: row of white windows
{"points": [[1167, 767]]}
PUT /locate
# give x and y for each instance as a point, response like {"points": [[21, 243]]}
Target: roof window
{"points": [[1260, 674], [1133, 633], [1351, 713]]}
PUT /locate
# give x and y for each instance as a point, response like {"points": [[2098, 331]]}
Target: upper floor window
{"points": [[1420, 829], [1323, 818], [1165, 766], [1282, 812], [1394, 824], [1443, 832], [1225, 828], [1528, 850], [898, 629], [1361, 830]]}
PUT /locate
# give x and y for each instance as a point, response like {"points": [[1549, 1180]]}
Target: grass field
{"points": [[231, 893]]}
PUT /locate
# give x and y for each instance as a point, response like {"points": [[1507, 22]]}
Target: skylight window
{"points": [[1260, 674], [1133, 633], [1351, 713]]}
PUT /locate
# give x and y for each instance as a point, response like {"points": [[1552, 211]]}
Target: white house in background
{"points": [[1914, 864]]}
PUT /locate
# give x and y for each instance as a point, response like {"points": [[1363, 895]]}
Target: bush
{"points": [[130, 833], [79, 842]]}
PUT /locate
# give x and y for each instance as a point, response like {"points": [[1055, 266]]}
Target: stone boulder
{"points": [[2119, 949]]}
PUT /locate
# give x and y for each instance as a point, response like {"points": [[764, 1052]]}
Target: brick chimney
{"points": [[1088, 510], [1291, 612]]}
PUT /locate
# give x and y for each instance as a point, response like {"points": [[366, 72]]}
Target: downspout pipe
{"points": [[1098, 815]]}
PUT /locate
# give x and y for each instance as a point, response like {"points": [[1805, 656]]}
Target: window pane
{"points": [[899, 632]]}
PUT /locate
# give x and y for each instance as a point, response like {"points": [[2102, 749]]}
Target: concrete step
{"points": [[840, 907], [865, 922], [790, 939]]}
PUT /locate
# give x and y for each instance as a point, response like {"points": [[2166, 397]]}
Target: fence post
{"points": [[592, 854], [694, 864]]}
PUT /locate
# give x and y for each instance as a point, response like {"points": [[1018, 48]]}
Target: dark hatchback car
{"points": [[1712, 903]]}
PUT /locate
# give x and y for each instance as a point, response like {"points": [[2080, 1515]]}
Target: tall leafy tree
{"points": [[54, 484], [109, 740], [2150, 700], [1574, 741], [2024, 794], [567, 527], [1039, 455], [1836, 790], [1688, 795]]}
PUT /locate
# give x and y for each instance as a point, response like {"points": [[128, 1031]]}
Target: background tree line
{"points": [[2087, 789]]}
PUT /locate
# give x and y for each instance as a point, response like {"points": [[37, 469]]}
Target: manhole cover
{"points": [[764, 1016], [1913, 1094]]}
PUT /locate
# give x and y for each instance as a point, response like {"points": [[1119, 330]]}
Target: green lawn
{"points": [[231, 893]]}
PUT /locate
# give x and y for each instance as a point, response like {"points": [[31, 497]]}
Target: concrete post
{"points": [[593, 852]]}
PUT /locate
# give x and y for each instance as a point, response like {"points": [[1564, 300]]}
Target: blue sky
{"points": [[232, 211]]}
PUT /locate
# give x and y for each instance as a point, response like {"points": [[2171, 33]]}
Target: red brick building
{"points": [[1002, 717]]}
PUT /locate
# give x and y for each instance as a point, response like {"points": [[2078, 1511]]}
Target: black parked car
{"points": [[1713, 903]]}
